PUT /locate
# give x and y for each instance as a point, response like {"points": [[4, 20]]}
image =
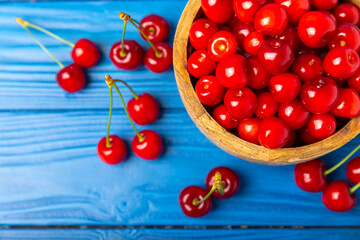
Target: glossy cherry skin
{"points": [[308, 66], [253, 42], [223, 117], [144, 110], [337, 197], [273, 133], [85, 53], [114, 154], [276, 56], [258, 77], [266, 105], [290, 36], [133, 57], [309, 176], [186, 198], [354, 81], [348, 104], [322, 125], [347, 35], [294, 114], [292, 139], [353, 170], [294, 8], [249, 130], [316, 28], [159, 64], [150, 148], [241, 103], [285, 87], [241, 31], [209, 91], [232, 72], [271, 19], [323, 5], [231, 179], [200, 64], [347, 13], [201, 31], [341, 62], [221, 45], [71, 78], [219, 11], [245, 10], [306, 137], [319, 95], [157, 28]]}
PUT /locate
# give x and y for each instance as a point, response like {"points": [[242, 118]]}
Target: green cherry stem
{"points": [[354, 188], [122, 52], [218, 184], [151, 30], [128, 86], [108, 144]]}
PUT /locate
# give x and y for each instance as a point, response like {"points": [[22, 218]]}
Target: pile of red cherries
{"points": [[284, 73]]}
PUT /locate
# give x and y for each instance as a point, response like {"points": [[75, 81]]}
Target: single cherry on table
{"points": [[338, 196], [353, 170], [155, 27], [230, 182], [189, 198], [127, 54], [71, 78], [112, 150]]}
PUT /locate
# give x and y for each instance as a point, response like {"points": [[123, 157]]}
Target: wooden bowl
{"points": [[226, 140]]}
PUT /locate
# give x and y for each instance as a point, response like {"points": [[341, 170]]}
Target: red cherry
{"points": [[316, 28], [114, 154], [271, 19], [294, 8], [229, 177], [241, 103], [200, 64], [253, 42], [305, 49], [249, 130], [339, 82], [85, 53], [221, 45], [321, 125], [201, 31], [223, 117], [144, 110], [353, 170], [323, 5], [347, 13], [294, 114], [291, 141], [306, 137], [273, 133], [245, 10], [232, 72], [219, 11], [266, 105], [150, 148], [309, 176], [159, 64], [354, 81], [71, 78], [276, 56], [186, 198], [348, 104], [157, 28], [308, 66], [225, 28], [232, 22], [133, 55], [241, 31], [337, 197], [347, 35], [209, 91], [290, 36], [341, 62], [319, 95], [258, 77], [285, 87]]}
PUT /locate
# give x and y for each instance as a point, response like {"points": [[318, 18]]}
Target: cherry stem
{"points": [[122, 52], [28, 24], [21, 22], [354, 188], [108, 144], [128, 86], [327, 172], [217, 184], [140, 25]]}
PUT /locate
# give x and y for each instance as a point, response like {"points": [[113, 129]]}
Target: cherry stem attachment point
{"points": [[128, 86], [354, 188], [327, 172], [108, 144], [217, 184]]}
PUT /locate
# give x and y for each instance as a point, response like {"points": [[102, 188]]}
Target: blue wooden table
{"points": [[51, 177]]}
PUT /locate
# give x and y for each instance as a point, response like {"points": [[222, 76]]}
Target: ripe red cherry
{"points": [[159, 64], [290, 36], [85, 53], [273, 133], [232, 72], [341, 62], [228, 176], [186, 198], [294, 8], [347, 35], [316, 29], [258, 77], [319, 95], [308, 66], [321, 125], [200, 64], [150, 148], [223, 117], [253, 42], [132, 58], [353, 170], [221, 45], [291, 140], [348, 104], [309, 176], [285, 87], [114, 154], [266, 105], [337, 197], [276, 56], [294, 114], [157, 28], [347, 13], [241, 31], [201, 31], [354, 81], [143, 110], [219, 11], [241, 103], [323, 5], [271, 19], [249, 130], [245, 10], [209, 91], [306, 137], [71, 78]]}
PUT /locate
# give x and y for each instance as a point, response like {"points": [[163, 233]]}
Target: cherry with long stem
{"points": [[217, 185]]}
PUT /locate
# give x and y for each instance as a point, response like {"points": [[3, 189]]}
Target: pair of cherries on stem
{"points": [[84, 53], [338, 195], [221, 182], [128, 54], [143, 109]]}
